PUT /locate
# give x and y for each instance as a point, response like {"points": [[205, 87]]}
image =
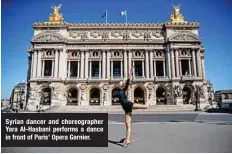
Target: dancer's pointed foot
{"points": [[126, 144]]}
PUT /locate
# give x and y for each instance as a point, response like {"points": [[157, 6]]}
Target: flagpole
{"points": [[106, 16], [126, 16]]}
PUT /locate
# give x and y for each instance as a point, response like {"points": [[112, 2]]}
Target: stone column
{"points": [[112, 70], [168, 63], [121, 69], [147, 66], [103, 64], [100, 70], [129, 59], [173, 64], [68, 68], [56, 63], [62, 64], [43, 67], [78, 69], [143, 67], [194, 62], [155, 68], [52, 68], [190, 68], [199, 63], [177, 63], [164, 68], [125, 63], [39, 64], [180, 67], [151, 64], [82, 64], [34, 63], [31, 64], [108, 65], [133, 68], [86, 64], [90, 69], [203, 67]]}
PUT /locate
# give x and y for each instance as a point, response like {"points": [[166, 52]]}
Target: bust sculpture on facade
{"points": [[56, 16]]}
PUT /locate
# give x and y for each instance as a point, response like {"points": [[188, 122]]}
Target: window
{"points": [[48, 68], [138, 68], [73, 68], [159, 68], [95, 69], [185, 67], [117, 69]]}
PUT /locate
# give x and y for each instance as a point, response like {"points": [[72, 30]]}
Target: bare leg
{"points": [[128, 128], [140, 106]]}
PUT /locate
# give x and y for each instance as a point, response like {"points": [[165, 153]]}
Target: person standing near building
{"points": [[128, 106]]}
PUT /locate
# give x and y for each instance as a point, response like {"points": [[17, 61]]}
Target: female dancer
{"points": [[128, 107]]}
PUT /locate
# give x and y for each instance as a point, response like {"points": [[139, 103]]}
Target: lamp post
{"points": [[197, 99]]}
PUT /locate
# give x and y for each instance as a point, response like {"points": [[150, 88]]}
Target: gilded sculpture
{"points": [[56, 16], [177, 16]]}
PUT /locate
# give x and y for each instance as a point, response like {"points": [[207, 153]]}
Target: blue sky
{"points": [[215, 17]]}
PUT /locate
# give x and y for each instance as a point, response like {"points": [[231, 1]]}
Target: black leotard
{"points": [[126, 105]]}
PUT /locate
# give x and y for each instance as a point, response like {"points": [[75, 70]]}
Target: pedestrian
{"points": [[128, 106]]}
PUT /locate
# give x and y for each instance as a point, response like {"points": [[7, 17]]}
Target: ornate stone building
{"points": [[82, 64]]}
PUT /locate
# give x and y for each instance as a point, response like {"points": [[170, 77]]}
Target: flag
{"points": [[122, 13], [103, 15]]}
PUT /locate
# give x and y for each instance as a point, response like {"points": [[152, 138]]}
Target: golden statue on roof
{"points": [[177, 16], [56, 16]]}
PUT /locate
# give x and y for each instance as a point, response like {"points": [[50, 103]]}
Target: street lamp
{"points": [[197, 99]]}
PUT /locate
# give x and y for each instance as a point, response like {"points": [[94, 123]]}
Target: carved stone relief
{"points": [[184, 37], [126, 36], [56, 91], [137, 34], [48, 53], [84, 36], [74, 34], [105, 36], [177, 91], [116, 34], [95, 34], [147, 36], [46, 37], [73, 54]]}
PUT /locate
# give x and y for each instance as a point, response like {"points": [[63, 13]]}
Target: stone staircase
{"points": [[118, 109]]}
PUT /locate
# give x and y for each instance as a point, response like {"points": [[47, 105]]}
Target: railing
{"points": [[160, 78], [187, 77]]}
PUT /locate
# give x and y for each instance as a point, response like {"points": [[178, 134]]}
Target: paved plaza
{"points": [[173, 132]]}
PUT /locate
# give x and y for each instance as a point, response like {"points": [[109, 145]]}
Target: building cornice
{"points": [[115, 25]]}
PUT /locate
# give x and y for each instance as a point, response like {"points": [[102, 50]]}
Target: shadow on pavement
{"points": [[117, 142], [218, 110]]}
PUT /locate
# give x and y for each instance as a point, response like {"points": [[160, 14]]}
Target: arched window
{"points": [[94, 96], [72, 96], [160, 96], [139, 95]]}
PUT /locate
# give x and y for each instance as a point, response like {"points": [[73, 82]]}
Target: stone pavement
{"points": [[203, 132]]}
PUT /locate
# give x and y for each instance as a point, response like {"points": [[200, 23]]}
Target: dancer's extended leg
{"points": [[140, 106], [128, 128]]}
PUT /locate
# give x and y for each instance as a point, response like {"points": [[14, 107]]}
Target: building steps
{"points": [[118, 108]]}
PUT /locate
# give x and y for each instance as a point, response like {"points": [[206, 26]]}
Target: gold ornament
{"points": [[177, 16], [56, 16]]}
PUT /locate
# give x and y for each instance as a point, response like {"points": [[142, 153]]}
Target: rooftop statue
{"points": [[177, 16], [56, 16]]}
